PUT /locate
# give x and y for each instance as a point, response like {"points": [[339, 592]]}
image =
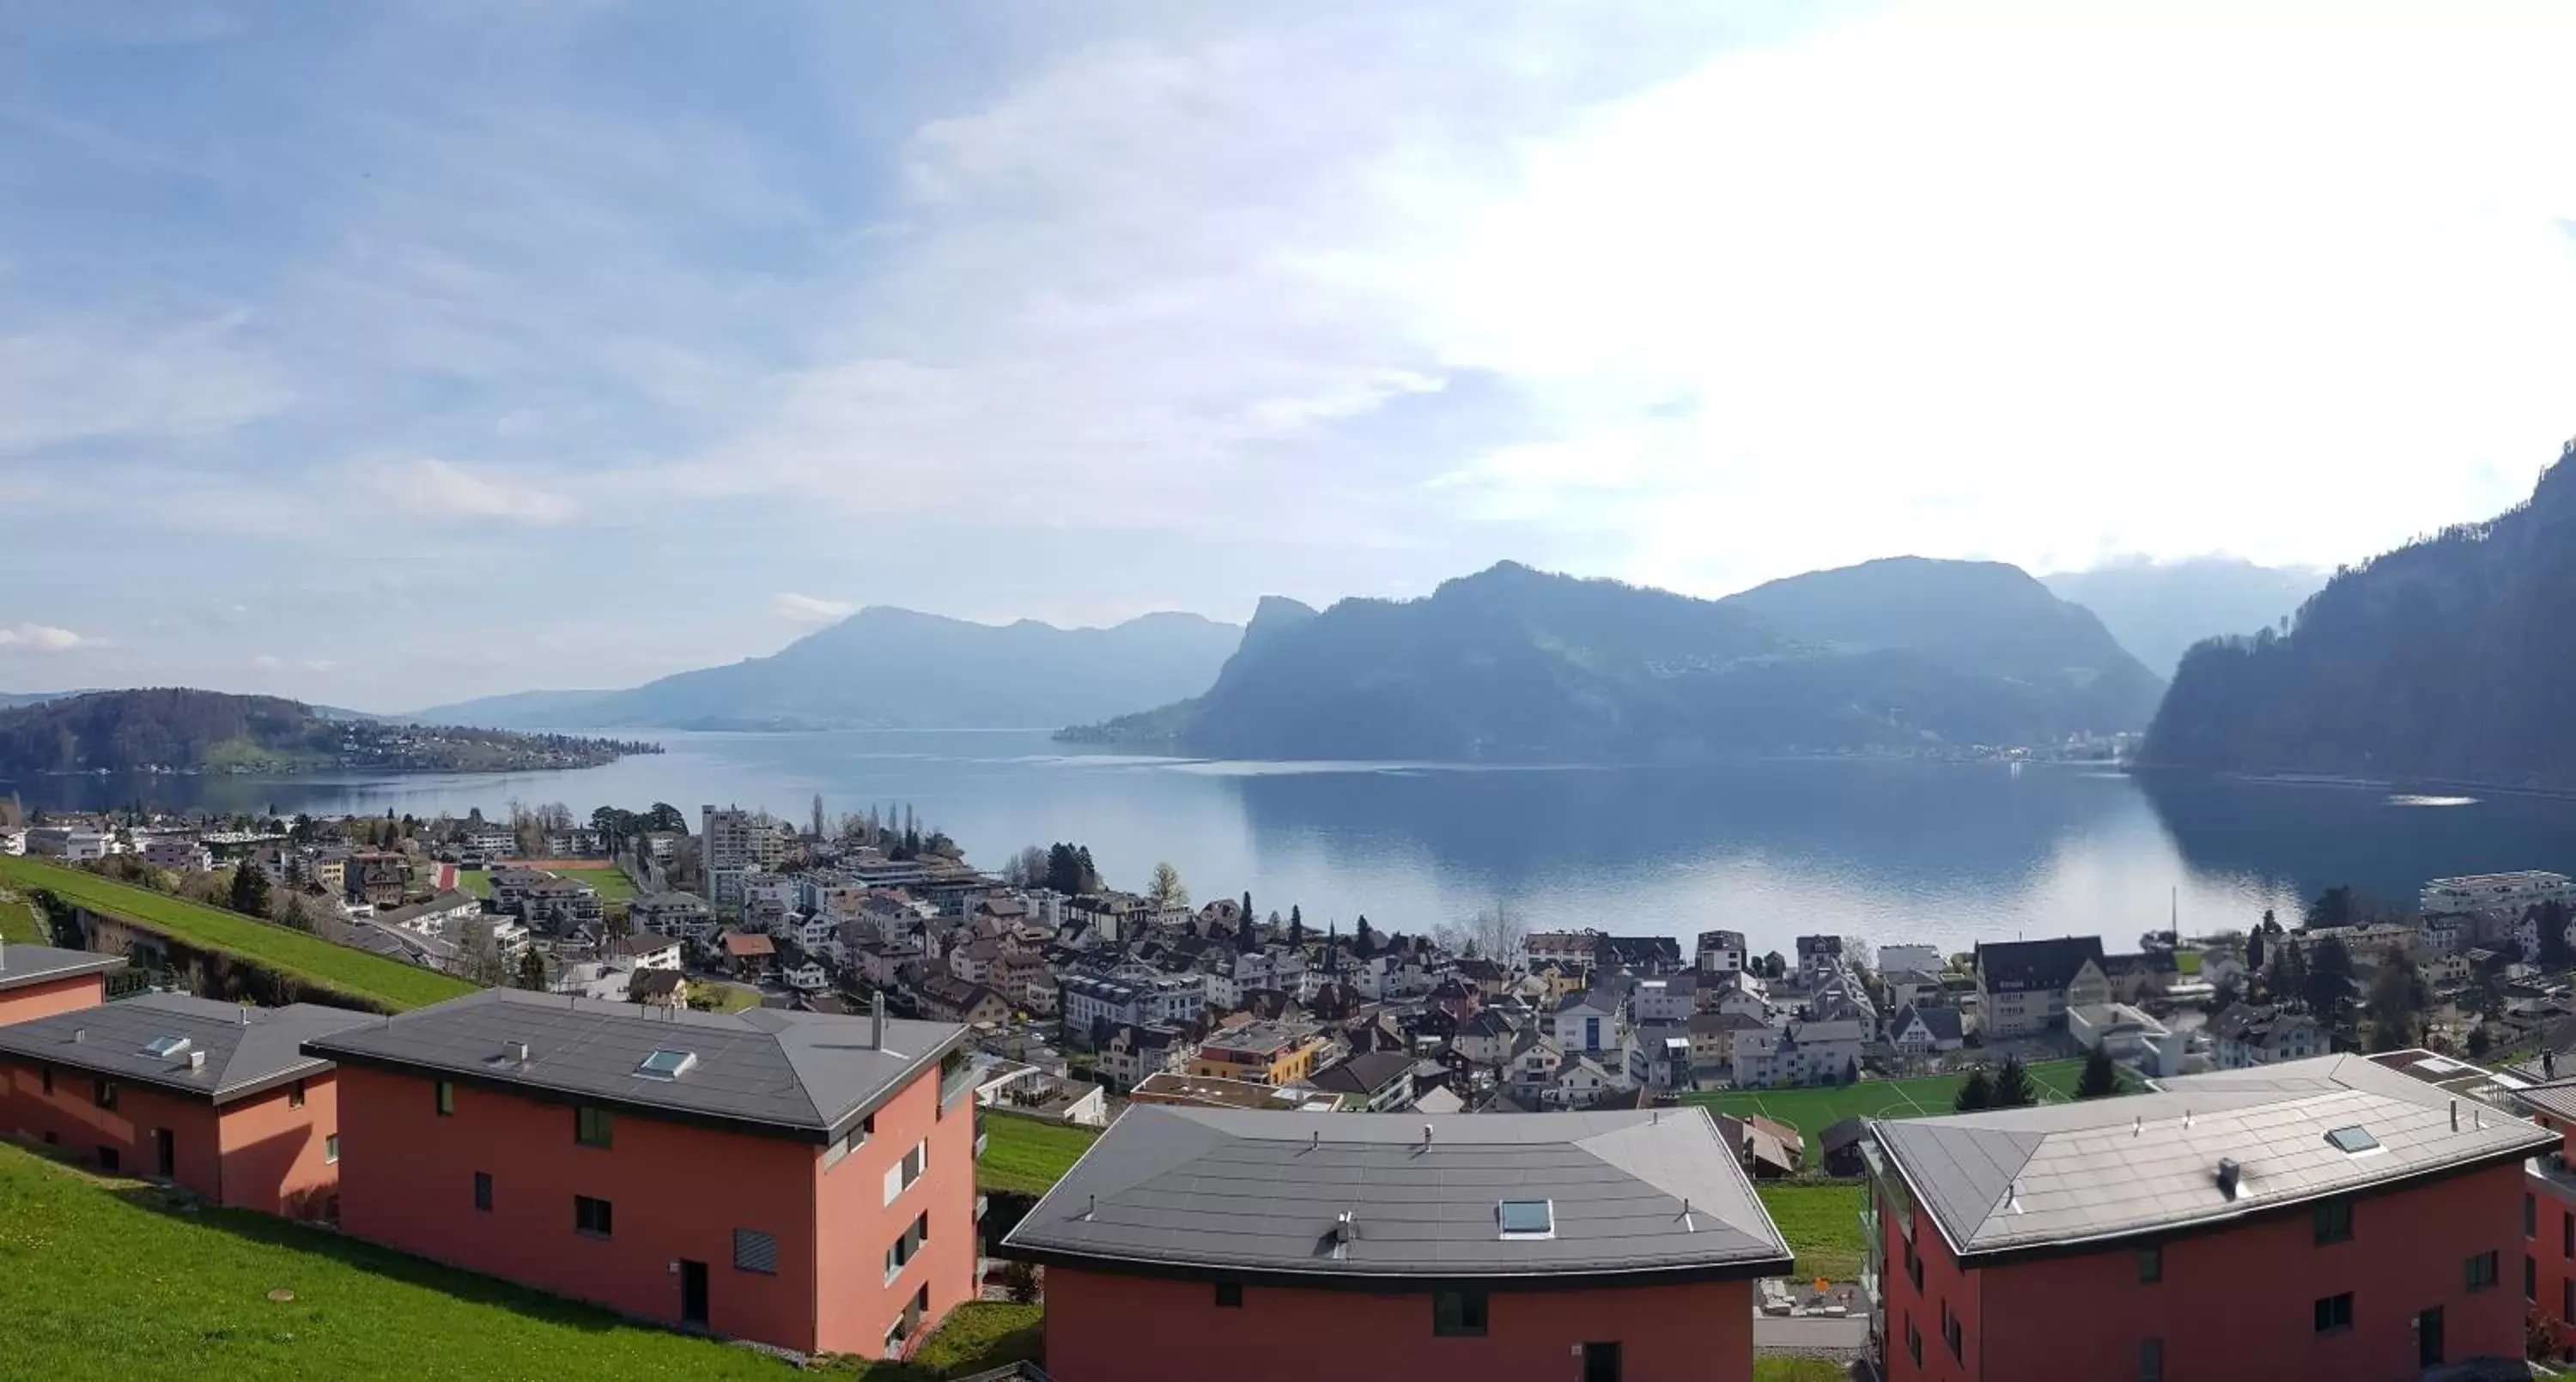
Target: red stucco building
{"points": [[2545, 1090], [2319, 1218], [1259, 1246], [799, 1180], [39, 981], [215, 1097]]}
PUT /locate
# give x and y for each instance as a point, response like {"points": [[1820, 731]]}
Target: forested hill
{"points": [[177, 730], [2451, 658], [1513, 663]]}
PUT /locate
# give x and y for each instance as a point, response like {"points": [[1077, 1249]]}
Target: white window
{"points": [[901, 1175]]}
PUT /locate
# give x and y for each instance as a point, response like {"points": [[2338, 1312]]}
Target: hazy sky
{"points": [[384, 355]]}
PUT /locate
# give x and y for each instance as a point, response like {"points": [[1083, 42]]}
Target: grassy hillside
{"points": [[1027, 1155], [310, 959], [1811, 1111], [1822, 1224], [99, 1280]]}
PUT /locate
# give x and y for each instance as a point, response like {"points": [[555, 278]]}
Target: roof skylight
{"points": [[164, 1048], [2352, 1141], [1528, 1218], [666, 1065]]}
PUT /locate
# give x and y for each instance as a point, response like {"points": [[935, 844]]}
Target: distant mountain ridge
{"points": [[1517, 664], [179, 729], [886, 667], [2446, 659], [2159, 609]]}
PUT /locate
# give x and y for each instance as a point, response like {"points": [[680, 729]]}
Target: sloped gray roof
{"points": [[22, 965], [248, 1050], [1246, 1192], [765, 1069], [2044, 1177]]}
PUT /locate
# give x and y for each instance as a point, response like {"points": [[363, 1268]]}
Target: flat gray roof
{"points": [[22, 965], [2057, 1175], [1254, 1193], [248, 1050], [766, 1069]]}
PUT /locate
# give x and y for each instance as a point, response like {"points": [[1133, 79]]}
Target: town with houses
{"points": [[740, 991]]}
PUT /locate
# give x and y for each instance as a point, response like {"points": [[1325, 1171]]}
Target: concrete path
{"points": [[1812, 1334]]}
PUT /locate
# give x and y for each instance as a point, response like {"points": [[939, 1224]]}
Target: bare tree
{"points": [[818, 815], [1499, 933], [1165, 889], [478, 956]]}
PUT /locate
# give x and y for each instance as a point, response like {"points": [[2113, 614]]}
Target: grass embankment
{"points": [[1800, 1370], [311, 960], [18, 920], [1028, 1155], [98, 1280], [1811, 1111], [1822, 1224], [475, 881]]}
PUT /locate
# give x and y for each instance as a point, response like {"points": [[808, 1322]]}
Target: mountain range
{"points": [[174, 729], [1517, 664], [2447, 659], [2158, 609], [892, 668]]}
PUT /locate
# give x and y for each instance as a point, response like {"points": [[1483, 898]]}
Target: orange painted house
{"points": [[795, 1179], [2319, 1218], [1191, 1243], [213, 1096], [39, 980]]}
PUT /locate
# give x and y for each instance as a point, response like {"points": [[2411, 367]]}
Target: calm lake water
{"points": [[1894, 851]]}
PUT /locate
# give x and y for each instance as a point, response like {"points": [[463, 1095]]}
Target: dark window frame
{"points": [[2481, 1271], [2333, 1314], [102, 1092], [1229, 1295], [593, 1126], [2151, 1264], [593, 1217], [750, 1245], [295, 1095], [444, 1100], [1460, 1314], [2332, 1220], [331, 1149], [483, 1192], [2151, 1360]]}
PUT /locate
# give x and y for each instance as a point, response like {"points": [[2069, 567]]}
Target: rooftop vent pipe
{"points": [[1426, 1138], [876, 1022], [2230, 1176], [518, 1051], [196, 1060], [2455, 1115], [80, 1034]]}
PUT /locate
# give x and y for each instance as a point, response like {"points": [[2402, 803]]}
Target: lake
{"points": [[1889, 850]]}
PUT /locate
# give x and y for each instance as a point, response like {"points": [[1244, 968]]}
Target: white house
{"points": [[2127, 1034], [1920, 1031], [2250, 1034], [1586, 1021], [1670, 999], [1578, 1082]]}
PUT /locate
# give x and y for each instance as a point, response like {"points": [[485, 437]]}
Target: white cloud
{"points": [[810, 609], [432, 488], [266, 662], [44, 638], [92, 379]]}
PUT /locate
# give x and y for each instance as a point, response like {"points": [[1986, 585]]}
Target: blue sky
{"points": [[384, 355]]}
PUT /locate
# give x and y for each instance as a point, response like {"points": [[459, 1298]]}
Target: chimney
{"points": [[2230, 1175], [1426, 1134], [518, 1052], [80, 1034], [196, 1060], [876, 1022], [2455, 1115]]}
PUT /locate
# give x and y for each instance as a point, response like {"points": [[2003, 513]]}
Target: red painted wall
{"points": [[1108, 1328], [857, 1303], [44, 1000], [275, 1153], [2240, 1303], [678, 1192], [72, 1117], [1944, 1286], [2552, 1266]]}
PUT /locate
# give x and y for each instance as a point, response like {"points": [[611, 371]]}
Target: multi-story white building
{"points": [[2250, 1034], [735, 843], [2496, 892], [1671, 999], [1721, 952], [185, 853]]}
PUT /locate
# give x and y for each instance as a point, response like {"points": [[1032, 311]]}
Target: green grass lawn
{"points": [[19, 922], [99, 1280], [475, 881], [1027, 1155], [2187, 963], [1811, 1111], [730, 998], [309, 958], [1799, 1370], [1822, 1224], [608, 880]]}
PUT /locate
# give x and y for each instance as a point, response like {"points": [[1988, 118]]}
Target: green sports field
{"points": [[1811, 1111]]}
